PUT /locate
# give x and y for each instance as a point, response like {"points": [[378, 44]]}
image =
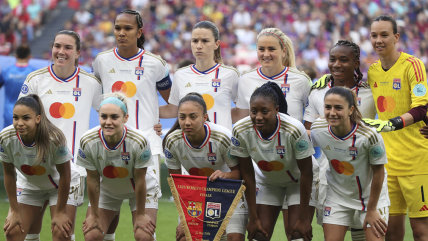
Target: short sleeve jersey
{"points": [[213, 154], [277, 155], [395, 92], [294, 84], [139, 78], [217, 85], [115, 165], [67, 102], [29, 175], [315, 108], [350, 158]]}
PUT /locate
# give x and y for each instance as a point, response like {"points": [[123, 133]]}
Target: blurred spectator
{"points": [[241, 18], [82, 16], [12, 79]]}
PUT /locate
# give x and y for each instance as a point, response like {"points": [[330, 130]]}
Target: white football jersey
{"points": [[139, 78], [295, 85], [67, 102], [217, 85], [30, 176], [315, 108], [115, 165], [277, 155], [349, 175]]}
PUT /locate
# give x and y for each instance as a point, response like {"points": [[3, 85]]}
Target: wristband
{"points": [[397, 122]]}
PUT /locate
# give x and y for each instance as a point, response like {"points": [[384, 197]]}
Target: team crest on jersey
{"points": [[327, 211], [235, 141], [146, 155], [285, 88], [280, 150], [376, 151], [359, 101], [62, 151], [213, 210], [212, 157], [18, 192], [216, 83], [302, 145], [24, 89], [139, 71], [77, 92], [419, 90], [353, 151], [168, 154], [125, 157], [396, 85], [82, 154], [194, 209]]}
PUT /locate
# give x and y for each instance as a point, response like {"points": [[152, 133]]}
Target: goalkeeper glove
{"points": [[393, 124], [321, 82]]}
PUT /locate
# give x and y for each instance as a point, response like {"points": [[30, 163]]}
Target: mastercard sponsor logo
{"points": [[342, 167], [58, 110], [113, 172], [128, 88], [385, 103], [33, 170], [270, 166], [209, 101], [205, 171]]}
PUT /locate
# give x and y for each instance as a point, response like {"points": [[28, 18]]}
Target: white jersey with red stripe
{"points": [[67, 102], [139, 78], [217, 85], [295, 85], [115, 165], [277, 155], [315, 108], [349, 176], [31, 176]]}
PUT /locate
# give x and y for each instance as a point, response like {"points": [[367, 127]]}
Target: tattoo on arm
{"points": [[97, 188]]}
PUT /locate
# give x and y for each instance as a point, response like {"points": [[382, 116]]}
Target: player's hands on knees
{"points": [[158, 129], [424, 131], [13, 219], [145, 223], [304, 228], [62, 222], [90, 223], [217, 174], [255, 230], [376, 221], [179, 233]]}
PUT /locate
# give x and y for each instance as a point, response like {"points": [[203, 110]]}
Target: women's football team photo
{"points": [[372, 135]]}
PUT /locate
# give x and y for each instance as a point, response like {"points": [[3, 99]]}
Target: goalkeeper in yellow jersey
{"points": [[399, 87]]}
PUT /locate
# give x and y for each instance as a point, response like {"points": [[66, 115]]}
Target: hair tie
{"points": [[275, 35], [114, 101]]}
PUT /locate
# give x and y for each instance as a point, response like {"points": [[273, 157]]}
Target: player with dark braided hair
{"points": [[344, 65]]}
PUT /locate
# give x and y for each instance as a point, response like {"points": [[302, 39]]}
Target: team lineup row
{"points": [[349, 187]]}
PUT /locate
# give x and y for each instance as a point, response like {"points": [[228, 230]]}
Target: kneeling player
{"points": [[37, 149], [356, 178], [120, 155]]}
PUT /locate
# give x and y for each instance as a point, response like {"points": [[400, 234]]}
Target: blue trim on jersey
{"points": [[66, 79], [129, 59], [347, 136], [206, 71], [272, 77], [164, 83]]}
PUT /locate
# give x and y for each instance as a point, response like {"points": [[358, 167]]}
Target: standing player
{"points": [[216, 82], [202, 148], [116, 157], [356, 176], [280, 147], [398, 83], [12, 79], [37, 149], [68, 92], [344, 66], [138, 74]]}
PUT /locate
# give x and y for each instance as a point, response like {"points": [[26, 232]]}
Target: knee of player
{"points": [[14, 234], [94, 235], [296, 235], [419, 231], [140, 235], [57, 235]]}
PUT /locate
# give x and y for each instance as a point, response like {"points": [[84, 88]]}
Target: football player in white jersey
{"points": [[202, 147], [356, 176], [139, 74], [36, 149], [216, 82], [281, 151], [344, 62], [68, 93], [116, 157]]}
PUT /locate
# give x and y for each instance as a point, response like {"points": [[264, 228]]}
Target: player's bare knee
{"points": [[140, 235], [94, 235], [14, 234], [57, 235]]}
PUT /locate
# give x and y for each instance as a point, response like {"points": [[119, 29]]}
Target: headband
{"points": [[265, 33], [114, 101]]}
